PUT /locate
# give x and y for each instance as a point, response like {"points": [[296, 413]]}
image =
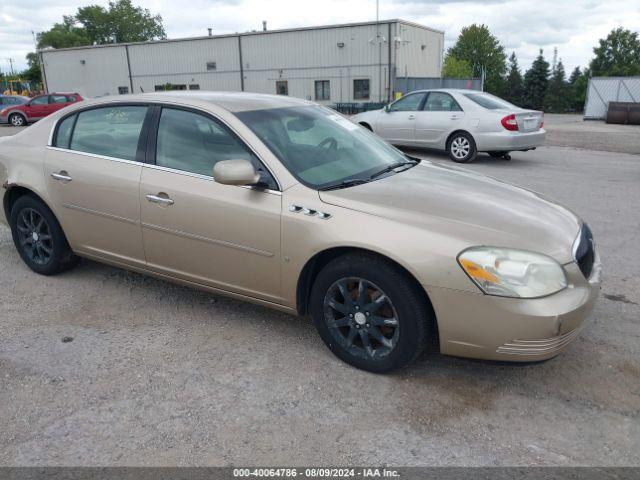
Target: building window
{"points": [[361, 89], [211, 66], [194, 86], [323, 90], [123, 90], [282, 87], [169, 86]]}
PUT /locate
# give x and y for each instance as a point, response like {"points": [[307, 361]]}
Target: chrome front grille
{"points": [[541, 347]]}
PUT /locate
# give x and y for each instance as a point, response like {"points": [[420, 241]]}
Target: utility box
{"points": [[624, 113]]}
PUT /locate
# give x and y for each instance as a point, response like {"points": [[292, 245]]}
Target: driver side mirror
{"points": [[235, 172], [387, 107]]}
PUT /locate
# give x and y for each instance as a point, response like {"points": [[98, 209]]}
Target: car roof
{"points": [[448, 90], [231, 101]]}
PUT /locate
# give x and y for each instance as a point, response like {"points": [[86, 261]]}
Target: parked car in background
{"points": [[36, 108], [8, 100], [288, 204], [461, 122]]}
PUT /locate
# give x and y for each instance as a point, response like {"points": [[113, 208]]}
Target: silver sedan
{"points": [[461, 122]]}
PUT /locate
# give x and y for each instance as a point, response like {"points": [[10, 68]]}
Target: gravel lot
{"points": [[158, 374]]}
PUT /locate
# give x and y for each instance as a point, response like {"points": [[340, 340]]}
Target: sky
{"points": [[523, 26]]}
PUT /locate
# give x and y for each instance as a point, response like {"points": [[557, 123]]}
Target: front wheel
{"points": [[39, 238], [17, 120], [369, 313], [462, 148]]}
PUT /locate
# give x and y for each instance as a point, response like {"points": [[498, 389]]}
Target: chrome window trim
{"points": [[95, 155], [167, 105], [205, 177]]}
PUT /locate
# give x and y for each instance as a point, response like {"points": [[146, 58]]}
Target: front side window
{"points": [[441, 102], [194, 143], [408, 103], [320, 147], [323, 91], [44, 100], [111, 131], [361, 89]]}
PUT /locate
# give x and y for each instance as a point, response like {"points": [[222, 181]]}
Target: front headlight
{"points": [[512, 273]]}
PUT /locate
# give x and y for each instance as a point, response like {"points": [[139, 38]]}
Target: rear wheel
{"points": [[17, 120], [39, 238], [462, 148], [369, 313]]}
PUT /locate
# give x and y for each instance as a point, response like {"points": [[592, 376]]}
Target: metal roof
{"points": [[242, 34]]}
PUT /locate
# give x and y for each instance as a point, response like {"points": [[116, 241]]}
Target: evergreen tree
{"points": [[578, 83], [536, 81], [557, 99], [514, 89]]}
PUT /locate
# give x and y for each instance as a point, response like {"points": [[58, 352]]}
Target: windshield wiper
{"points": [[345, 184], [391, 168]]}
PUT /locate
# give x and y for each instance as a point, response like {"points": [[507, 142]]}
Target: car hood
{"points": [[472, 208]]}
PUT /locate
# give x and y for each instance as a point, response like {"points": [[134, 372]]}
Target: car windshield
{"points": [[489, 101], [321, 148]]}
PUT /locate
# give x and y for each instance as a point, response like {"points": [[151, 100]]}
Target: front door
{"points": [[223, 236], [439, 116], [37, 108], [93, 180], [397, 123]]}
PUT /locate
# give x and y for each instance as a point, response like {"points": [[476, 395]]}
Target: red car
{"points": [[38, 107]]}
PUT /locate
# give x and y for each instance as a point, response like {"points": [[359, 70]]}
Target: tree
{"points": [[578, 83], [514, 87], [32, 74], [557, 99], [484, 53], [95, 25], [617, 55], [64, 35], [536, 81], [456, 68]]}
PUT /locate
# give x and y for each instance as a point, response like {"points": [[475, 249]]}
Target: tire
{"points": [[462, 148], [17, 120], [403, 318], [497, 154], [39, 238]]}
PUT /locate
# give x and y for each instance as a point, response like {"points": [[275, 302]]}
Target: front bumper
{"points": [[4, 119], [511, 329], [509, 141]]}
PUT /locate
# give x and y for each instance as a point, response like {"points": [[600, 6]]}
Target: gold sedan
{"points": [[287, 204]]}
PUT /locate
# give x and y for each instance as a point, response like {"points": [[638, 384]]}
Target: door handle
{"points": [[411, 117], [62, 176], [455, 117], [161, 199]]}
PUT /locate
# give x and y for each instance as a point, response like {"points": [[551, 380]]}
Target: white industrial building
{"points": [[357, 62]]}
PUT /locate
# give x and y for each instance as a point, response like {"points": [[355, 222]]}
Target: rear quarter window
{"points": [[63, 133]]}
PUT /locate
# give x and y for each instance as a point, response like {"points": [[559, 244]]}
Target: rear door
{"points": [[397, 123], [56, 102], [223, 236], [440, 115], [93, 178]]}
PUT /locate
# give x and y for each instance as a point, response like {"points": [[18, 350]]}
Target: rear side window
{"points": [[110, 131], [441, 102], [58, 99], [194, 143], [63, 134]]}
